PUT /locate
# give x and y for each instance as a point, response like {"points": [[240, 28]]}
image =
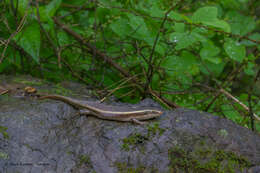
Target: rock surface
{"points": [[46, 136]]}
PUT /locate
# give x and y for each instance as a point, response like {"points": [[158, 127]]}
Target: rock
{"points": [[46, 136]]}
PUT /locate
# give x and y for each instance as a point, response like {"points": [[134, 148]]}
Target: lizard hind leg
{"points": [[81, 112], [138, 122]]}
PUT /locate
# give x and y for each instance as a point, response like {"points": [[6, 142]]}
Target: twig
{"points": [[18, 29], [91, 47], [118, 82], [249, 100], [151, 61], [160, 99], [251, 114], [126, 94], [93, 50], [230, 96], [4, 92], [229, 78], [237, 101], [117, 88], [76, 8]]}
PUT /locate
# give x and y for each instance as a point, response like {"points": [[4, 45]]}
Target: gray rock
{"points": [[45, 136]]}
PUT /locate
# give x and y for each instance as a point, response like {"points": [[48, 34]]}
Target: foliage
{"points": [[186, 50]]}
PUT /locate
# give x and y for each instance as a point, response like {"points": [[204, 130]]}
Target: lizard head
{"points": [[149, 114]]}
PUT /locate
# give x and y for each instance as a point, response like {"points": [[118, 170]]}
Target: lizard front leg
{"points": [[84, 112], [138, 122]]}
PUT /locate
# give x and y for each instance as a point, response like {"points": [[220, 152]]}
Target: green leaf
{"points": [[240, 24], [198, 35], [102, 14], [155, 11], [30, 40], [121, 27], [4, 66], [255, 36], [63, 38], [48, 11], [219, 24], [209, 49], [49, 26], [189, 63], [176, 16], [251, 57], [156, 81], [140, 30], [23, 5], [170, 62], [235, 50], [104, 2], [209, 52], [182, 40], [52, 7], [176, 65], [249, 70], [179, 69], [215, 60], [205, 14], [232, 4], [212, 68], [179, 27], [137, 22], [231, 113], [208, 16], [160, 49]]}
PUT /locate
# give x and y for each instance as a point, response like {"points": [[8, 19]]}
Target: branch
{"points": [[102, 56], [18, 29], [240, 103], [150, 62], [92, 48]]}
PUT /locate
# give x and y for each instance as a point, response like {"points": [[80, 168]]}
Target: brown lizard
{"points": [[108, 112]]}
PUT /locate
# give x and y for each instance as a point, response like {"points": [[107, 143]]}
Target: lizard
{"points": [[107, 112]]}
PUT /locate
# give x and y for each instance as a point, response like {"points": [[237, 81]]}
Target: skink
{"points": [[108, 112]]}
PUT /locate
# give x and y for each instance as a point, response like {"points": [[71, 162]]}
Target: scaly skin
{"points": [[108, 114]]}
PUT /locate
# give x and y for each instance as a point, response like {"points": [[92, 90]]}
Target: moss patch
{"points": [[31, 82], [138, 138], [206, 161], [124, 168], [3, 131], [59, 89], [4, 155], [154, 128], [84, 159], [133, 140]]}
